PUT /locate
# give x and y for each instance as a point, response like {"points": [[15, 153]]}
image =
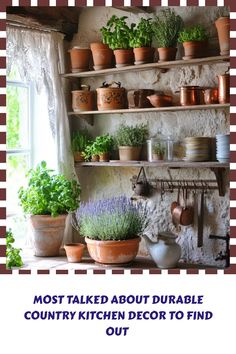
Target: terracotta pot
{"points": [[95, 158], [80, 59], [74, 252], [223, 28], [48, 234], [104, 157], [143, 55], [83, 100], [130, 153], [156, 157], [102, 56], [167, 54], [195, 49], [109, 98], [113, 252], [124, 57], [78, 157]]}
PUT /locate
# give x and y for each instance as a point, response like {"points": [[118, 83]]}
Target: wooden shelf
{"points": [[161, 109], [169, 164], [165, 65]]}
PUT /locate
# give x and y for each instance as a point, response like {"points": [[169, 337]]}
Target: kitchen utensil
{"points": [[83, 100], [141, 187], [224, 83], [190, 95], [160, 100], [175, 203], [210, 95], [200, 220], [110, 97], [138, 98], [188, 211]]}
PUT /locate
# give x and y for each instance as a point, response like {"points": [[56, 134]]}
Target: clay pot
{"points": [[102, 56], [104, 157], [143, 55], [78, 157], [130, 153], [167, 54], [156, 157], [160, 100], [80, 59], [124, 57], [74, 252], [83, 100], [195, 49], [48, 234], [223, 28], [113, 252], [109, 98], [95, 158]]}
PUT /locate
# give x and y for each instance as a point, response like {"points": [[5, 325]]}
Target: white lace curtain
{"points": [[39, 58]]}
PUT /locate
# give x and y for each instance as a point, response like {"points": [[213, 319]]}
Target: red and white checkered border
{"points": [[81, 3]]}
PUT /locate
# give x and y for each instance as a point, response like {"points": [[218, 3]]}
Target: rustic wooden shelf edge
{"points": [[161, 109], [150, 66], [177, 164]]}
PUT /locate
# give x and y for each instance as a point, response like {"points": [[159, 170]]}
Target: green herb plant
{"points": [[131, 135], [142, 34], [103, 144], [158, 149], [48, 193], [166, 28], [79, 141], [196, 33], [117, 34], [13, 254]]}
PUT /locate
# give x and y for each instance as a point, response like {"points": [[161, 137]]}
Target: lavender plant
{"points": [[111, 219]]}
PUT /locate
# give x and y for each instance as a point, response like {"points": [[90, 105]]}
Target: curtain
{"points": [[39, 57]]}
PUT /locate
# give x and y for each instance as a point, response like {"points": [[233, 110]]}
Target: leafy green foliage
{"points": [[48, 194], [196, 33], [158, 149], [131, 135], [117, 34], [13, 254], [166, 28], [102, 144], [142, 34], [79, 141], [13, 117]]}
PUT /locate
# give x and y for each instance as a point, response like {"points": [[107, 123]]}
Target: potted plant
{"points": [[112, 229], [158, 152], [48, 199], [13, 257], [141, 42], [130, 140], [117, 35], [194, 40], [166, 28], [91, 153], [103, 145], [223, 28], [74, 252], [80, 59], [102, 55], [79, 142]]}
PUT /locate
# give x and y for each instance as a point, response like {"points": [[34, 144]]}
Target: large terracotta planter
{"points": [[143, 55], [80, 59], [167, 54], [130, 153], [223, 28], [113, 252], [195, 49], [124, 57], [74, 252], [48, 233], [102, 56]]}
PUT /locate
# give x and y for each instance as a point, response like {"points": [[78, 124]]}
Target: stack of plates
{"points": [[222, 147], [197, 149]]}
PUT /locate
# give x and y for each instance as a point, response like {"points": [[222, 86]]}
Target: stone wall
{"points": [[104, 181]]}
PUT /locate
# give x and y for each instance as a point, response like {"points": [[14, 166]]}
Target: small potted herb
{"points": [[48, 199], [117, 35], [112, 229], [141, 42], [102, 55], [103, 145], [130, 140], [166, 28], [79, 142], [158, 152], [223, 29], [194, 40], [12, 253]]}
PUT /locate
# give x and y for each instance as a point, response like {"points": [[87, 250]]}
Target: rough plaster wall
{"points": [[105, 182]]}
